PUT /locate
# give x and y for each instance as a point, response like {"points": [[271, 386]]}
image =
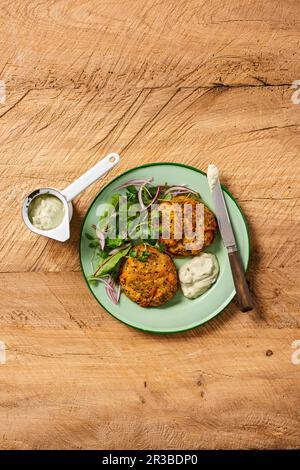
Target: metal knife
{"points": [[243, 294]]}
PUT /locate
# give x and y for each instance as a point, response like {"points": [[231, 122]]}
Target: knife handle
{"points": [[243, 295]]}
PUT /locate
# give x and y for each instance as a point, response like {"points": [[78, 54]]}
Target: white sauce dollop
{"points": [[212, 176], [46, 212], [197, 275]]}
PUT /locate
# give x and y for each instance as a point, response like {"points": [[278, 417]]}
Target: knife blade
{"points": [[223, 218], [242, 290]]}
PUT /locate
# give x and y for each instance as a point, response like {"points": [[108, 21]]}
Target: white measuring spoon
{"points": [[62, 232]]}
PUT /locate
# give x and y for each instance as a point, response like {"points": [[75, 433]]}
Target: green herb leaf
{"points": [[147, 253], [112, 262], [94, 244], [102, 256], [89, 236], [115, 200], [162, 247], [131, 192], [103, 216], [144, 256], [133, 253], [114, 242]]}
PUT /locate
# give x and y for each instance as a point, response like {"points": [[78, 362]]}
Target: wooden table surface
{"points": [[175, 80]]}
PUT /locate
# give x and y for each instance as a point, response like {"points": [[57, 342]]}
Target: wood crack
{"points": [[97, 144], [262, 84], [214, 374], [39, 256], [54, 356], [269, 128], [16, 103], [149, 122], [270, 199]]}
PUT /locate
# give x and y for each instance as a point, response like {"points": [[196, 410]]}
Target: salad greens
{"points": [[124, 224]]}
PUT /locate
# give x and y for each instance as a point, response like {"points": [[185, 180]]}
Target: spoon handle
{"points": [[92, 175]]}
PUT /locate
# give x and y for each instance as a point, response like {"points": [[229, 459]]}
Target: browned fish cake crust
{"points": [[149, 283], [177, 247]]}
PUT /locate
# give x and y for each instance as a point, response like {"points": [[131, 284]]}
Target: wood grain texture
{"points": [[184, 81]]}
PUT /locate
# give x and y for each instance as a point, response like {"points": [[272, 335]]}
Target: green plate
{"points": [[180, 313]]}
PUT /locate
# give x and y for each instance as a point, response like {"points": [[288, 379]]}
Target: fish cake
{"points": [[178, 247], [149, 283]]}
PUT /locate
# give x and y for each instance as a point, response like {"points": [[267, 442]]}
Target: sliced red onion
{"points": [[141, 199], [118, 293], [147, 190], [178, 193], [135, 182], [99, 279], [180, 189], [119, 248], [101, 237], [111, 294], [113, 291], [155, 197]]}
